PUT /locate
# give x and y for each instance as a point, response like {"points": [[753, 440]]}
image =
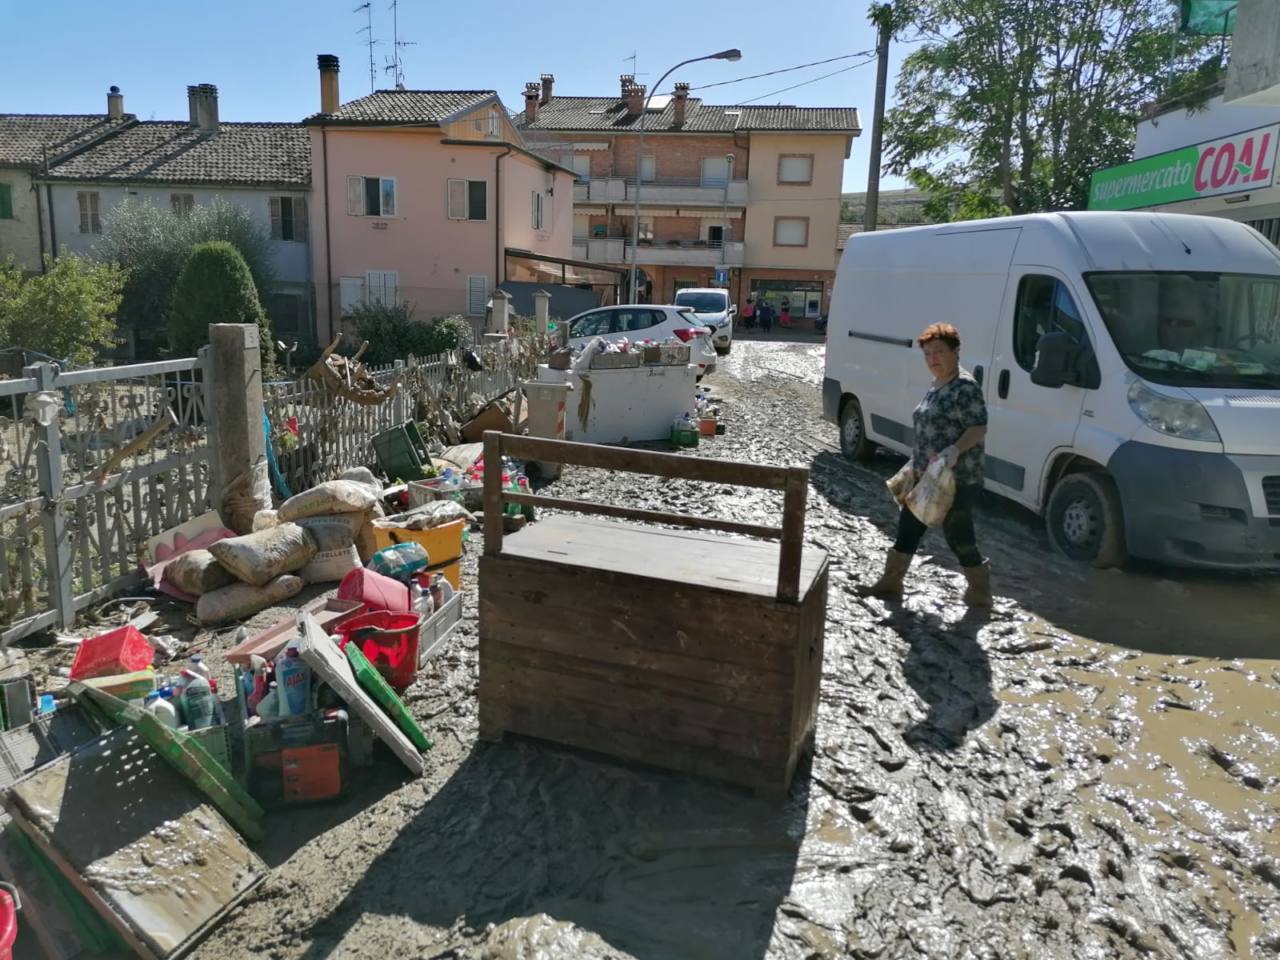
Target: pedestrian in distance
{"points": [[749, 313], [765, 312], [784, 315], [950, 424]]}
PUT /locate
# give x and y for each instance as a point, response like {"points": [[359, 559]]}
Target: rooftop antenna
{"points": [[632, 58], [367, 7], [395, 66]]}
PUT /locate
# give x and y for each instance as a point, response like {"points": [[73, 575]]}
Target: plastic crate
{"points": [[615, 361], [123, 650], [217, 743], [443, 543]]}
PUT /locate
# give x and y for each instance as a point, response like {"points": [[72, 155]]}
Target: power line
{"points": [[771, 73], [805, 83]]}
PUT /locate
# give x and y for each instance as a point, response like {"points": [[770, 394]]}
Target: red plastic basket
{"points": [[389, 641], [122, 650]]}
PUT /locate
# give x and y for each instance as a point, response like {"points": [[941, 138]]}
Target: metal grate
{"points": [[1271, 492]]}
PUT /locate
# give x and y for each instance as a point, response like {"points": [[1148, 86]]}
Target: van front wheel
{"points": [[853, 434], [1085, 520]]}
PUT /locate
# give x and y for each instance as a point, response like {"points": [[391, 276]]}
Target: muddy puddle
{"points": [[1090, 772]]}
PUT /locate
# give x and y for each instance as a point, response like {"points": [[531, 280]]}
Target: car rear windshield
{"points": [[703, 302]]}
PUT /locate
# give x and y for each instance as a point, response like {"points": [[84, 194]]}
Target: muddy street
{"points": [[1091, 771]]}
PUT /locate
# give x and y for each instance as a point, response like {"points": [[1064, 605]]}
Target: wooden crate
{"points": [[689, 650]]}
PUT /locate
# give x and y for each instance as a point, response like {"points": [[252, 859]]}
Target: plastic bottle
{"points": [[198, 703], [423, 601], [293, 679], [522, 486], [269, 705], [162, 709], [198, 666], [257, 679]]}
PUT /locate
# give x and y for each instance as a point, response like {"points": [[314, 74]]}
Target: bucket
{"points": [[9, 907], [389, 641]]}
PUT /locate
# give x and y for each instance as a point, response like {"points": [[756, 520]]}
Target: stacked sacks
{"points": [[339, 515]]}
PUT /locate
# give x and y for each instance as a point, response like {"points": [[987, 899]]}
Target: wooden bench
{"points": [[687, 649]]}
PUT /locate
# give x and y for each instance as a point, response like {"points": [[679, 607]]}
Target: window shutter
{"points": [[478, 200], [300, 219], [795, 169], [533, 206], [355, 196], [477, 294], [6, 202], [277, 226], [391, 287], [457, 199], [790, 232], [350, 294]]}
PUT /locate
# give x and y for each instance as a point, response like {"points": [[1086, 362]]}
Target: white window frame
{"points": [[484, 299], [793, 181], [353, 180], [382, 287], [90, 216], [298, 218], [466, 217], [648, 168], [538, 218]]}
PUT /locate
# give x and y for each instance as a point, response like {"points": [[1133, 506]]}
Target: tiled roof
{"points": [[405, 106], [24, 136], [610, 114], [175, 152], [844, 231]]}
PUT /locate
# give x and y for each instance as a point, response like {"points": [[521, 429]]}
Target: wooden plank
{"points": [[676, 556], [535, 679], [675, 466], [808, 673], [650, 516], [493, 493], [790, 557], [640, 636], [582, 726], [763, 694]]}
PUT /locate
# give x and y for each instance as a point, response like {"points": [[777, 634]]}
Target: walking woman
{"points": [[950, 423]]}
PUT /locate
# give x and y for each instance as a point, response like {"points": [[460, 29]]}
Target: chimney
{"points": [[626, 80], [547, 81], [328, 65], [531, 93], [207, 107], [193, 104], [679, 102], [635, 99], [115, 103]]}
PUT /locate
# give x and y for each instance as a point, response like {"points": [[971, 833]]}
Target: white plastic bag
{"points": [[900, 483], [931, 498]]}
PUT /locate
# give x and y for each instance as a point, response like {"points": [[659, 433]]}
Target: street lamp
{"points": [[732, 55]]}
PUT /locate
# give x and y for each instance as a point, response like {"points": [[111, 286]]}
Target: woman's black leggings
{"points": [[957, 528]]}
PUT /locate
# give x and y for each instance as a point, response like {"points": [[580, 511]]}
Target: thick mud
{"points": [[1091, 771]]}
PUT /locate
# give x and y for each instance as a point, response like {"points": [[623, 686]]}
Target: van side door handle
{"points": [[1002, 385], [978, 374]]}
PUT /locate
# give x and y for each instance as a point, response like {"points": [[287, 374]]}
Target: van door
{"points": [[1027, 423]]}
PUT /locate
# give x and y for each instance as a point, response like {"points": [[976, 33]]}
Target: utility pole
{"points": [[882, 17]]}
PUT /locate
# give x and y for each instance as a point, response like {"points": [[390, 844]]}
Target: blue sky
{"points": [[261, 54]]}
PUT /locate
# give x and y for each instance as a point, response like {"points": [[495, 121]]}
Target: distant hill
{"points": [[896, 206]]}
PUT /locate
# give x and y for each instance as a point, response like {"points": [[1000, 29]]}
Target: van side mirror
{"points": [[1060, 361]]}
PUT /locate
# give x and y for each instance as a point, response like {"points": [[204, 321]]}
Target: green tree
{"points": [[1009, 106], [68, 312], [153, 244], [215, 286], [394, 334]]}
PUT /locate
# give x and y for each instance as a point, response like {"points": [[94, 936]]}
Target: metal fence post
{"points": [[57, 545]]}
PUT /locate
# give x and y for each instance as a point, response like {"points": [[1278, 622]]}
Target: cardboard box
{"points": [[493, 417]]}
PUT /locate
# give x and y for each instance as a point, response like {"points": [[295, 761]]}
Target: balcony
{"points": [[659, 252], [665, 190]]}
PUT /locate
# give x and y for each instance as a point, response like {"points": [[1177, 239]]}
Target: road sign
{"points": [[722, 276]]}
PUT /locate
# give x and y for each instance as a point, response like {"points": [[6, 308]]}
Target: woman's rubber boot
{"points": [[978, 593], [890, 582]]}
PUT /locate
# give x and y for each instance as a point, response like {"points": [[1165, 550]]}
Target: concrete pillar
{"points": [[541, 312], [239, 485], [500, 317]]}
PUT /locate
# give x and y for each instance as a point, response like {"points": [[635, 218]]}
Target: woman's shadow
{"points": [[950, 671]]}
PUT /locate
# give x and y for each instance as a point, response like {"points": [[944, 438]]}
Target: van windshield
{"points": [[1194, 329], [703, 302]]}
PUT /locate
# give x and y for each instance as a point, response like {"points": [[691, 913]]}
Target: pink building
{"points": [[420, 195]]}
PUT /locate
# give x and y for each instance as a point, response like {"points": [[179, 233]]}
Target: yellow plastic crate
{"points": [[443, 543]]}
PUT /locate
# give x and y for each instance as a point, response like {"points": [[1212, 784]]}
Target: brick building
{"points": [[748, 191]]}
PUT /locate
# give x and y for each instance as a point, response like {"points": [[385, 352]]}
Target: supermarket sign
{"points": [[1235, 164]]}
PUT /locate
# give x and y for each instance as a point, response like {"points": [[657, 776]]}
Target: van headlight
{"points": [[1187, 419]]}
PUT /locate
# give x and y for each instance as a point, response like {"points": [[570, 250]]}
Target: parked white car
{"points": [[646, 322], [712, 308]]}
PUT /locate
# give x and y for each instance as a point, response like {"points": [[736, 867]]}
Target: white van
{"points": [[1130, 361]]}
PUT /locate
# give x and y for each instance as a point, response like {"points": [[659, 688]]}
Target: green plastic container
{"points": [[681, 437]]}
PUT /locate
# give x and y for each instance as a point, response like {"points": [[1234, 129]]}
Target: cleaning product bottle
{"points": [[269, 705], [198, 703], [198, 666], [162, 709], [423, 602], [258, 680], [293, 680]]}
